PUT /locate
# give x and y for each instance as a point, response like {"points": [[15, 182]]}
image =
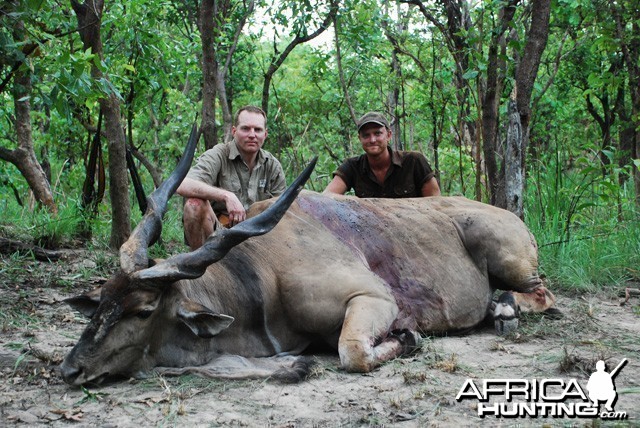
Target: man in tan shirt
{"points": [[228, 178]]}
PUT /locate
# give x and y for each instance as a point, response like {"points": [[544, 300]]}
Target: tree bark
{"points": [[528, 68], [156, 174], [209, 73], [393, 101], [89, 16], [491, 106], [490, 93], [526, 74], [605, 121], [514, 177], [343, 81], [502, 179], [343, 130], [393, 96], [94, 168]]}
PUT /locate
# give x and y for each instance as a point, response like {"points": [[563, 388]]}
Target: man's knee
{"points": [[194, 207], [198, 221]]}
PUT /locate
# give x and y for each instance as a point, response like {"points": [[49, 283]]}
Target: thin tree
{"points": [[89, 15], [23, 156], [218, 49], [301, 36], [526, 74], [627, 34], [457, 23]]}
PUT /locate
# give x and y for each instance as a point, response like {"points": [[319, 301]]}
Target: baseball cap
{"points": [[373, 117]]}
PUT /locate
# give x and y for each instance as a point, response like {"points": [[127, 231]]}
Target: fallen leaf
{"points": [[70, 415]]}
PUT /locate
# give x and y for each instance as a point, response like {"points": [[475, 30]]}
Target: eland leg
{"points": [[365, 341]]}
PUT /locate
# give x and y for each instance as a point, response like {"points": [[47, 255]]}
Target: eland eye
{"points": [[144, 314]]}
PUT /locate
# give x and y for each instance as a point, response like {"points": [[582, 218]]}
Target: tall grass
{"points": [[63, 230], [587, 227], [37, 224]]}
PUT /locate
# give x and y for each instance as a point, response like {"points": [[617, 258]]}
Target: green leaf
{"points": [[471, 74]]}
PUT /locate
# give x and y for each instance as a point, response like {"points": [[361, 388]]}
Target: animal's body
{"points": [[366, 276]]}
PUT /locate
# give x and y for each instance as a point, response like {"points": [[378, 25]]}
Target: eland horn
{"points": [[133, 253], [194, 264]]}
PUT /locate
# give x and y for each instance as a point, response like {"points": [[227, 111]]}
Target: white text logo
{"points": [[545, 397]]}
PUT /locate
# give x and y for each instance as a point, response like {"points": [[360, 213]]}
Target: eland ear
{"points": [[86, 303], [202, 321]]}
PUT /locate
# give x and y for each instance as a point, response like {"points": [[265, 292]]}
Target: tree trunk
{"points": [[209, 73], [490, 95], [225, 103], [89, 16], [343, 80], [514, 182], [393, 101], [156, 174], [527, 70], [605, 121], [393, 97], [490, 118], [503, 192], [496, 69], [94, 167], [24, 157], [213, 18], [458, 24]]}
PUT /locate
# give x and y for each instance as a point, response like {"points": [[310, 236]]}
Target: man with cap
{"points": [[382, 172]]}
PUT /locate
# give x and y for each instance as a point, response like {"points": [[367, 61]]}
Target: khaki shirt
{"points": [[223, 167]]}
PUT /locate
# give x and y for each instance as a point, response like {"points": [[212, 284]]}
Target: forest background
{"points": [[533, 106]]}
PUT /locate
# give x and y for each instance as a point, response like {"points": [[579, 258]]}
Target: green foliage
{"points": [[457, 174], [90, 396]]}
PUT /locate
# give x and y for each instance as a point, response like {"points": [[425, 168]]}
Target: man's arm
{"points": [[190, 188], [431, 187], [337, 185]]}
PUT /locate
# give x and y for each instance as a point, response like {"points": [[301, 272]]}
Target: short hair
{"points": [[250, 109]]}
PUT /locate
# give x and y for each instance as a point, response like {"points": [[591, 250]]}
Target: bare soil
{"points": [[38, 329]]}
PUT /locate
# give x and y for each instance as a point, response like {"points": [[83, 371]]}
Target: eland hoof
{"points": [[505, 314]]}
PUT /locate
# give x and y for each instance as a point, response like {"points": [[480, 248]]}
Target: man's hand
{"points": [[235, 209]]}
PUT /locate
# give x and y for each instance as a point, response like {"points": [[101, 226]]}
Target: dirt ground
{"points": [[38, 329]]}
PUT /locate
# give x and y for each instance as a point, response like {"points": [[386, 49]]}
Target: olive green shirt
{"points": [[223, 167], [406, 176]]}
